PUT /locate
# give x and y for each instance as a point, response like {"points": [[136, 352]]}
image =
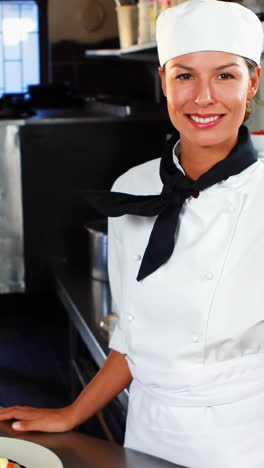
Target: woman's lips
{"points": [[204, 121]]}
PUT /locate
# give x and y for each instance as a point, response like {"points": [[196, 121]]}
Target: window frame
{"points": [[44, 43]]}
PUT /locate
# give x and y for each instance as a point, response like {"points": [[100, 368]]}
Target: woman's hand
{"points": [[37, 419], [110, 380]]}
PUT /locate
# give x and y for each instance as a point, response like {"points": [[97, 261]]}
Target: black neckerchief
{"points": [[177, 187]]}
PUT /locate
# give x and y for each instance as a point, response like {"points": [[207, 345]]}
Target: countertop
{"points": [[77, 450], [93, 111]]}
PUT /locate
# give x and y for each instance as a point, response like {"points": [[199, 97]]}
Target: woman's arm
{"points": [[111, 379]]}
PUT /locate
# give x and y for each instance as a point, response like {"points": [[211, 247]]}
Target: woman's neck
{"points": [[196, 160]]}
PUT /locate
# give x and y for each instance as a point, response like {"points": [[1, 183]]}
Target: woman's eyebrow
{"points": [[231, 64], [179, 65], [220, 67]]}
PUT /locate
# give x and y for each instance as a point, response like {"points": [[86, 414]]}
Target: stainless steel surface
{"points": [[67, 116], [78, 450], [88, 337], [119, 110], [97, 248], [119, 52], [84, 114], [11, 218], [101, 300], [78, 294]]}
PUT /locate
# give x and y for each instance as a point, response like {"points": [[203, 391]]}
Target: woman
{"points": [[185, 262]]}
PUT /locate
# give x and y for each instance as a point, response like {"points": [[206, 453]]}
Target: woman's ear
{"points": [[163, 80], [254, 83]]}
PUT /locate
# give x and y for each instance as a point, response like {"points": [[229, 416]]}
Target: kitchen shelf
{"points": [[119, 52], [138, 52]]}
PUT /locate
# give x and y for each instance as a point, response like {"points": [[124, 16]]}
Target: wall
{"points": [[94, 20], [82, 20], [77, 25], [256, 5]]}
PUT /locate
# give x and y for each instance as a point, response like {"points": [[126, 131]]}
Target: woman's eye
{"points": [[184, 76], [226, 76]]}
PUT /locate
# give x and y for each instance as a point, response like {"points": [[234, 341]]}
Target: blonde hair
{"points": [[252, 70]]}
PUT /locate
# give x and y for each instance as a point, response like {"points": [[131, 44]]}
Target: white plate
{"points": [[29, 454]]}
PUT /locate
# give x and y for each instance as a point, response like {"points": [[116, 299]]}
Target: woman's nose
{"points": [[203, 94]]}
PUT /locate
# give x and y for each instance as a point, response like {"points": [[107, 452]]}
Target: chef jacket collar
{"points": [[176, 156]]}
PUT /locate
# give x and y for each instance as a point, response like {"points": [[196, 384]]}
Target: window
{"points": [[19, 45]]}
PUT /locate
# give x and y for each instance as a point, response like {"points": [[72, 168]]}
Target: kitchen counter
{"points": [[67, 115], [92, 110], [77, 450], [102, 110]]}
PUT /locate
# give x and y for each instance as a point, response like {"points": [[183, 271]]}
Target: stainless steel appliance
{"points": [[11, 219], [97, 249]]}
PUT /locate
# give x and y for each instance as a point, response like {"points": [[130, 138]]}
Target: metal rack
{"points": [[120, 52]]}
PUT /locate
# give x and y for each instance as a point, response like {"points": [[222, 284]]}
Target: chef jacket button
{"points": [[130, 317], [195, 338], [208, 276], [137, 257]]}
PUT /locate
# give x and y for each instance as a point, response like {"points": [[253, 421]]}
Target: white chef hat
{"points": [[199, 25]]}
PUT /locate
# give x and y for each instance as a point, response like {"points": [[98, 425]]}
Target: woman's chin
{"points": [[211, 138]]}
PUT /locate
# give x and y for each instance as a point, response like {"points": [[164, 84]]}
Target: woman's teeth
{"points": [[206, 120]]}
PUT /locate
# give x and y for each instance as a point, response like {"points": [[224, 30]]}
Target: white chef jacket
{"points": [[193, 331]]}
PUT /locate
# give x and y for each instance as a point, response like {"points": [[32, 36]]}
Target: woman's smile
{"points": [[204, 121]]}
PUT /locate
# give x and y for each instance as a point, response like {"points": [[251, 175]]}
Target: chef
{"points": [[186, 253], [192, 328]]}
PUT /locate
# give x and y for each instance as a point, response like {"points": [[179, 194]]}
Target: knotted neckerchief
{"points": [[177, 187]]}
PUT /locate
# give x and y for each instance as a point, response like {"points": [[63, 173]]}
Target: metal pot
{"points": [[98, 249]]}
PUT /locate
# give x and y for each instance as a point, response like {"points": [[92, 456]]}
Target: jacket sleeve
{"points": [[118, 339]]}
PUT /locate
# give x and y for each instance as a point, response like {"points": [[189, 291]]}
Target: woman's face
{"points": [[206, 95]]}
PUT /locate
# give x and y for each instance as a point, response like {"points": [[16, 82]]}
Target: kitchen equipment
{"points": [[51, 95], [97, 248], [122, 106], [15, 106], [11, 212], [145, 12], [127, 20], [108, 105]]}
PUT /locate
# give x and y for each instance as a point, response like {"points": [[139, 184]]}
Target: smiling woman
{"points": [[252, 67], [207, 90]]}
